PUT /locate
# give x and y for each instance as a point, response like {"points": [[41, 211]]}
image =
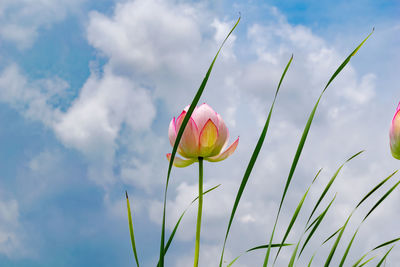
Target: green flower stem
{"points": [[198, 225]]}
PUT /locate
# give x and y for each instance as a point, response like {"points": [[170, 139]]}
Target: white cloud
{"points": [[158, 52], [10, 240], [31, 98], [20, 20]]}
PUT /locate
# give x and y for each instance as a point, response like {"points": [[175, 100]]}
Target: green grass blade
{"points": [[293, 257], [328, 186], [171, 237], [272, 246], [365, 262], [252, 161], [332, 235], [292, 221], [348, 249], [381, 200], [386, 243], [131, 229], [303, 140], [234, 260], [376, 188], [363, 199], [384, 257], [178, 138], [311, 260], [321, 217], [332, 252], [256, 248], [358, 262]]}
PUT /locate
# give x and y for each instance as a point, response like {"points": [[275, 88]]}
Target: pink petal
{"points": [[208, 137], [226, 153], [180, 163], [172, 132], [202, 114], [189, 144], [223, 136]]}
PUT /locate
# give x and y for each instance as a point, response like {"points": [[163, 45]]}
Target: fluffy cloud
{"points": [[10, 240], [157, 53], [20, 20]]}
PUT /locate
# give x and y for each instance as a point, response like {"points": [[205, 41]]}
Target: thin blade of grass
{"points": [[179, 136], [292, 221], [311, 260], [332, 252], [131, 229], [256, 248], [328, 186], [272, 246], [348, 248], [376, 188], [252, 161], [360, 260], [362, 200], [321, 217], [294, 217], [332, 235], [381, 200], [293, 258], [386, 244], [303, 140], [171, 237], [384, 257], [365, 262]]}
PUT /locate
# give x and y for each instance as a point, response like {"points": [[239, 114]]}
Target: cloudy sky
{"points": [[88, 88]]}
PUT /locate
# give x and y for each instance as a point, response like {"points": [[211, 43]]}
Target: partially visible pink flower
{"points": [[394, 134], [205, 136]]}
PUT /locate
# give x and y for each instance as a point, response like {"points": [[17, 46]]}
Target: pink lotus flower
{"points": [[205, 136], [394, 134]]}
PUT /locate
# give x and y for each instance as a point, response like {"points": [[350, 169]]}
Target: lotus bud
{"points": [[394, 134], [205, 136]]}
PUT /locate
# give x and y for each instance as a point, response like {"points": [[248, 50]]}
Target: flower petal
{"points": [[226, 153], [208, 138], [202, 114], [223, 136], [394, 135], [189, 144], [180, 163], [172, 132]]}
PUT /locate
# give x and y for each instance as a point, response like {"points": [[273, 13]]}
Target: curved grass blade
{"points": [[360, 260], [256, 248], [272, 246], [131, 229], [376, 188], [363, 199], [292, 221], [384, 257], [332, 252], [179, 136], [321, 217], [348, 248], [328, 186], [365, 262], [386, 243], [332, 235], [293, 258], [381, 200], [252, 161], [303, 140], [171, 237], [312, 258]]}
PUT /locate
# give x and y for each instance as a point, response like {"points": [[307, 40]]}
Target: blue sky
{"points": [[87, 90]]}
